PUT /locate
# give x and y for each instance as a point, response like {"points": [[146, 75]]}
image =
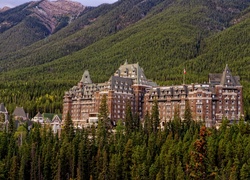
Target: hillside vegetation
{"points": [[164, 36], [182, 150]]}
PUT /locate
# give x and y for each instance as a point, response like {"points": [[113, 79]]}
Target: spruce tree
{"points": [[11, 127], [148, 125], [155, 116], [187, 114], [13, 173], [199, 157], [104, 124], [68, 127], [127, 160], [129, 124], [245, 171], [103, 112]]}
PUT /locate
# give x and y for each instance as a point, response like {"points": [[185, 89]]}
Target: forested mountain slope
{"points": [[163, 36], [93, 25], [28, 23]]}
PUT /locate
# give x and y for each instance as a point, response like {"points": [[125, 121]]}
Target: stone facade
{"points": [[220, 97]]}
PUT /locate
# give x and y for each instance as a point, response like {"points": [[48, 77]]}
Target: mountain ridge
{"points": [[30, 22]]}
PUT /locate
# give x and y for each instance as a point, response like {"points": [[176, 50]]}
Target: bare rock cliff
{"points": [[51, 12]]}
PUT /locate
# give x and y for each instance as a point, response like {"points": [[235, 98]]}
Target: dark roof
{"points": [[135, 72], [228, 79], [2, 108], [121, 84], [214, 78], [19, 111]]}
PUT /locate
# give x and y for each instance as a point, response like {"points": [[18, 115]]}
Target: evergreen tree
{"points": [[148, 125], [11, 127], [180, 175], [13, 173], [115, 166], [104, 113], [127, 160], [137, 122], [104, 174], [2, 170], [68, 127], [188, 114], [245, 171], [199, 157], [104, 124], [129, 124], [155, 116]]}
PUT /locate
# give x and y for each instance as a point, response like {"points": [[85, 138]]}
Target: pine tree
{"points": [[187, 114], [103, 112], [68, 127], [13, 173], [103, 124], [137, 122], [129, 124], [11, 127], [180, 175], [148, 125], [245, 171], [155, 116], [127, 160], [115, 166], [104, 174], [199, 156]]}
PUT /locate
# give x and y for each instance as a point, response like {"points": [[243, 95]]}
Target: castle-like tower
{"points": [[128, 84], [220, 97]]}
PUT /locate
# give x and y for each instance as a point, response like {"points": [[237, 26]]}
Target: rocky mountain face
{"points": [[5, 8], [30, 22], [54, 13], [51, 14]]}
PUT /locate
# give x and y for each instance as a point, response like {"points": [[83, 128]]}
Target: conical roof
{"points": [[86, 78]]}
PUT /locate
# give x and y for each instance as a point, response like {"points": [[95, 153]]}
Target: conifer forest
{"points": [[182, 150]]}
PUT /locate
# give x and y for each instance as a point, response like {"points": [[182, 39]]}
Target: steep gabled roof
{"points": [[135, 72], [38, 115], [19, 111], [227, 79], [86, 78], [57, 117]]}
